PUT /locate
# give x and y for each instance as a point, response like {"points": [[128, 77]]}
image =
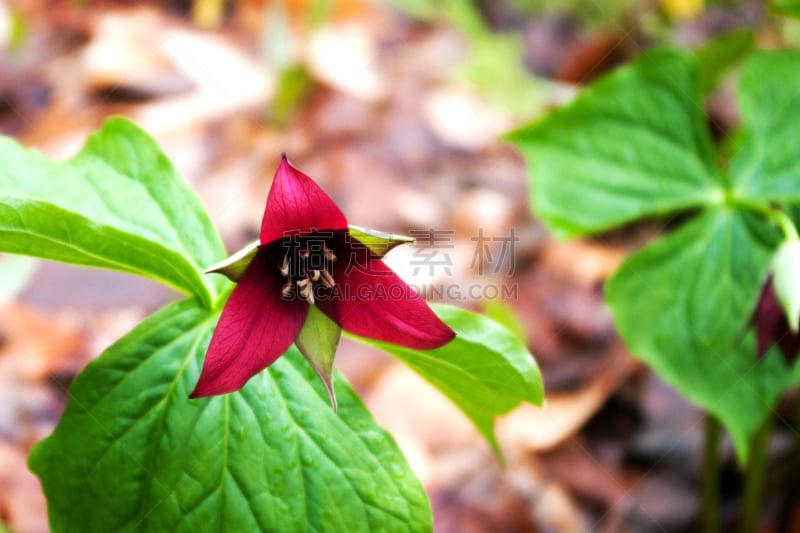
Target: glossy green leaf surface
{"points": [[134, 453], [118, 204], [507, 317], [486, 370]]}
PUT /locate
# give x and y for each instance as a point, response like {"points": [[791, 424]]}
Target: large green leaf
{"points": [[768, 165], [133, 452], [635, 144], [716, 56], [682, 305], [486, 370], [118, 204]]}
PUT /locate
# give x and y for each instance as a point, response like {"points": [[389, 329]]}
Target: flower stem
{"points": [[786, 224], [709, 511], [778, 216], [756, 475]]}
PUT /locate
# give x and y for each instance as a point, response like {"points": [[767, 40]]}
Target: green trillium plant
{"points": [[132, 451], [636, 145], [306, 279]]}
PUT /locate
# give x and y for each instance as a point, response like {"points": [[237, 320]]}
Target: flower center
{"points": [[306, 263]]}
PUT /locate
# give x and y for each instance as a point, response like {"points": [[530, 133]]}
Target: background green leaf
{"points": [[133, 452], [767, 167], [682, 305], [119, 204], [486, 370], [634, 144], [717, 55], [789, 8]]}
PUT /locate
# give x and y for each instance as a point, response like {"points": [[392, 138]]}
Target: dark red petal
{"points": [[297, 205], [256, 327], [772, 326], [768, 320], [377, 304], [789, 344]]}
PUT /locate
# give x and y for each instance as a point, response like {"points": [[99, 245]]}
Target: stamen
{"points": [[327, 279], [287, 288], [296, 266], [306, 291]]}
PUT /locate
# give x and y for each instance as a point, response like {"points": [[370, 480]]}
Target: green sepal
{"points": [[234, 266], [317, 341], [786, 280], [379, 242]]}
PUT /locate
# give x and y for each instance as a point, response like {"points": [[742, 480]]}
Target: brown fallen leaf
{"points": [[22, 504], [582, 261], [588, 476], [404, 403], [126, 58], [592, 57], [564, 414], [34, 344]]}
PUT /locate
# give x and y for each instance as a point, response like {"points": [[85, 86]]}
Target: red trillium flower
{"points": [[308, 277], [773, 327]]}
